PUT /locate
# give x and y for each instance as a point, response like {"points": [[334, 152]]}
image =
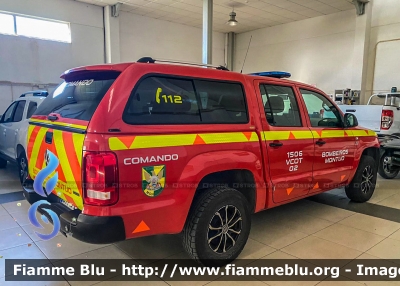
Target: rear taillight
{"points": [[100, 186], [387, 119]]}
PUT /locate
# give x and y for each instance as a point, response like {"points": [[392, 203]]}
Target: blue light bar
{"points": [[275, 74]]}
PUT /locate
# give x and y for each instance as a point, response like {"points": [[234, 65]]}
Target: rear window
{"points": [[78, 97], [167, 100]]}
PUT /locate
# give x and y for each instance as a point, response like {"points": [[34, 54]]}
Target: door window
{"points": [[280, 106], [31, 109], [19, 111], [8, 115], [321, 111], [221, 102]]}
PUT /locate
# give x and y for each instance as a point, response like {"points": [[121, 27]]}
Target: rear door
{"points": [[12, 128], [288, 141], [6, 121], [334, 146], [59, 126]]}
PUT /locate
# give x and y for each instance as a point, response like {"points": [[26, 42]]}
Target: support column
{"points": [[360, 52], [111, 34], [207, 31], [230, 50]]}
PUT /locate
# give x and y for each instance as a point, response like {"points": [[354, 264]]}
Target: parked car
{"points": [[381, 114], [389, 163], [147, 148], [14, 128]]}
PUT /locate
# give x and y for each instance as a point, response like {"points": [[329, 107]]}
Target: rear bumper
{"points": [[91, 229]]}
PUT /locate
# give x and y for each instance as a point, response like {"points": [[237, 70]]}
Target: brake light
{"points": [[387, 119], [100, 186]]}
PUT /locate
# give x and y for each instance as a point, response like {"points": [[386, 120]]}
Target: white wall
{"points": [[28, 62], [385, 32], [142, 36], [316, 51]]}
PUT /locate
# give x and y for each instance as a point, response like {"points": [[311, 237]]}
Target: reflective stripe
{"points": [[286, 135], [176, 140], [235, 137], [63, 156], [332, 134], [362, 133], [78, 145], [34, 155], [155, 141], [82, 127]]}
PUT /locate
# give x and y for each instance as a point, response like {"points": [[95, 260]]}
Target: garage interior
{"points": [[330, 44]]}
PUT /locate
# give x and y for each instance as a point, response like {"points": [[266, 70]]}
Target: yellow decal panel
{"points": [[67, 147]]}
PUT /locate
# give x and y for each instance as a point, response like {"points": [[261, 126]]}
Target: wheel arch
{"points": [[19, 150], [238, 169], [373, 152], [240, 179]]}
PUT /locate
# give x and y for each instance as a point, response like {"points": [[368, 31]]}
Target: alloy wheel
{"points": [[23, 173], [367, 180], [224, 229]]}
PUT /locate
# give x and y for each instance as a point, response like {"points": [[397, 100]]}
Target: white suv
{"points": [[14, 128]]}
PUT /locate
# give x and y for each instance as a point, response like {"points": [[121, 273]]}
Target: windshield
{"points": [[78, 98]]}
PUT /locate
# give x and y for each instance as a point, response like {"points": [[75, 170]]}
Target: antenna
{"points": [[241, 71]]}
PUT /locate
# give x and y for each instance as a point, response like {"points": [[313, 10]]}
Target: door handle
{"points": [[320, 142], [52, 117], [276, 144]]}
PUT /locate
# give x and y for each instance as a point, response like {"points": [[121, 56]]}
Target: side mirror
{"points": [[350, 120], [1, 118]]}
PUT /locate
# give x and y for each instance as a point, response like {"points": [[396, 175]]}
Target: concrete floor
{"points": [[304, 229]]}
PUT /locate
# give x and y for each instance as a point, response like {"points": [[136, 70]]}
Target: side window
{"points": [[19, 111], [8, 115], [280, 106], [160, 100], [221, 102], [163, 100], [31, 109], [321, 111]]}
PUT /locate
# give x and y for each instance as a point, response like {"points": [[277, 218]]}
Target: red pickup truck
{"points": [[151, 148]]}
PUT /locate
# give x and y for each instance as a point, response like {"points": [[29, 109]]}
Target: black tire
{"points": [[207, 215], [363, 184], [384, 170], [3, 163], [22, 167]]}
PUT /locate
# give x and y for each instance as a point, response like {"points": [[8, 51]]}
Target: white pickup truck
{"points": [[14, 128], [381, 114]]}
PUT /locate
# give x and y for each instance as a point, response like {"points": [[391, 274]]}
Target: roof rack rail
{"points": [[152, 61], [41, 93]]}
